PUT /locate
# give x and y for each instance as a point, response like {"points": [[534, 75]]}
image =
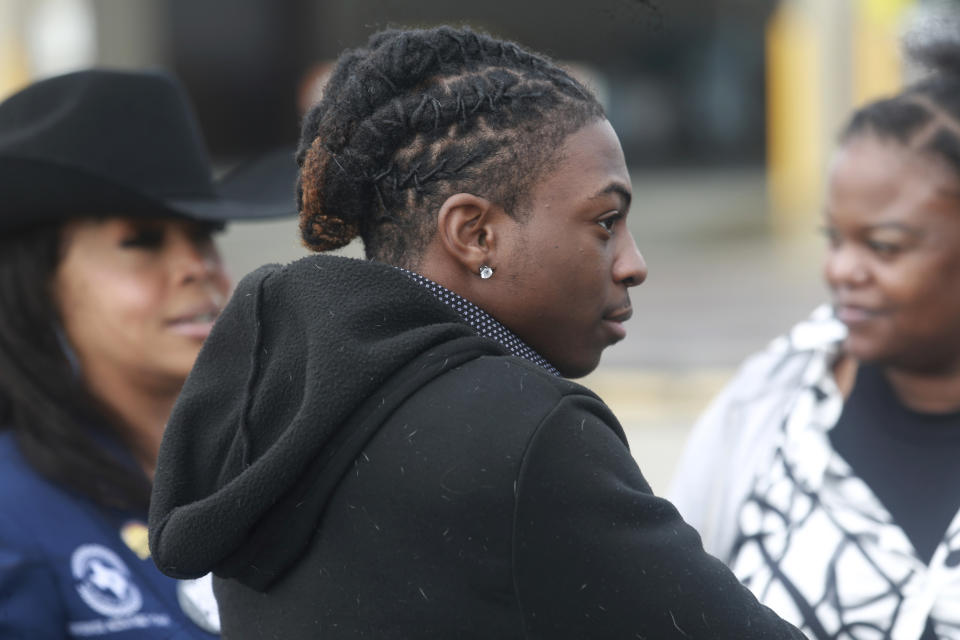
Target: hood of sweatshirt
{"points": [[300, 370]]}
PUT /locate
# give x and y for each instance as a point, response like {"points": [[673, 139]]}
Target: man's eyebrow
{"points": [[618, 189]]}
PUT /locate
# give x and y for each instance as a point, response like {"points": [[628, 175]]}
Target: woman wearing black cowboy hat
{"points": [[109, 283]]}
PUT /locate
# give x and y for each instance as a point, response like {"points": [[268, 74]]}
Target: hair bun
{"points": [[932, 38], [323, 225]]}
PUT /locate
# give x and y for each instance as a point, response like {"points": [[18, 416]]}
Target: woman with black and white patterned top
{"points": [[826, 473]]}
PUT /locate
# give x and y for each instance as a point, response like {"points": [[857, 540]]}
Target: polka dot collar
{"points": [[482, 322]]}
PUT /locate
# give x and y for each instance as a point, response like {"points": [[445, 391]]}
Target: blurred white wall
{"points": [[42, 38]]}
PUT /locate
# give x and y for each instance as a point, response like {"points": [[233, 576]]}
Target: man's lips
{"points": [[615, 319], [620, 315]]}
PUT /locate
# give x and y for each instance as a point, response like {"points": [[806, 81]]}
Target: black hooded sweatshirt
{"points": [[352, 461]]}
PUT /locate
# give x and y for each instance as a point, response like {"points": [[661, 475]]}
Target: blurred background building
{"points": [[727, 111]]}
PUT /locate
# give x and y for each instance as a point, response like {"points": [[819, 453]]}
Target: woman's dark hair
{"points": [[419, 115], [42, 399], [926, 115]]}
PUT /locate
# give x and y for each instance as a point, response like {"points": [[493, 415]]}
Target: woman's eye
{"points": [[833, 238], [884, 248], [202, 237], [144, 239]]}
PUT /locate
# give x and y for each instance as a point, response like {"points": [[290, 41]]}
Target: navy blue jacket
{"points": [[70, 568]]}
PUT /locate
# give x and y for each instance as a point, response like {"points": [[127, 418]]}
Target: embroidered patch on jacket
{"points": [[105, 584], [103, 581]]}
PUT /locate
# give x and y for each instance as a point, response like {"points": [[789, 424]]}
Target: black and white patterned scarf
{"points": [[819, 548]]}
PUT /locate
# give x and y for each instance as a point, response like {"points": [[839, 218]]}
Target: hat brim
{"points": [[36, 191], [268, 179]]}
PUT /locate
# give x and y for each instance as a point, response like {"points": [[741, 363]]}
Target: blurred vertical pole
{"points": [[824, 57], [877, 59], [14, 67], [807, 63]]}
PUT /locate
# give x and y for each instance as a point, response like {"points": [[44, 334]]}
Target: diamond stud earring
{"points": [[486, 272]]}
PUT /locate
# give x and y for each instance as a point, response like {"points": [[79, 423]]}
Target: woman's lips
{"points": [[195, 323], [853, 314]]}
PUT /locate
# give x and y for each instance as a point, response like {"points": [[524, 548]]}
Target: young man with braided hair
{"points": [[388, 448]]}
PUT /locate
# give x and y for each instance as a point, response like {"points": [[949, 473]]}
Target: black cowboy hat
{"points": [[103, 142]]}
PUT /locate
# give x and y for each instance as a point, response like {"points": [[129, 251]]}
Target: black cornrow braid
{"points": [[436, 153], [421, 109], [400, 60], [392, 60]]}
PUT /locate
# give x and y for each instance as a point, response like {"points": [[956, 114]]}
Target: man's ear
{"points": [[469, 229]]}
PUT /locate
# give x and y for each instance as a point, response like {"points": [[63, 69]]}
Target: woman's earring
{"points": [[486, 272]]}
